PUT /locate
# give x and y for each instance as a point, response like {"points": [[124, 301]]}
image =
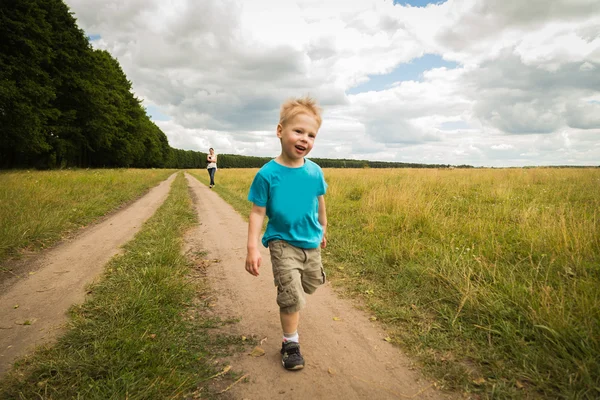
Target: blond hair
{"points": [[294, 106]]}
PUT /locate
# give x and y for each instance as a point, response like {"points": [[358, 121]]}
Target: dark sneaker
{"points": [[291, 357]]}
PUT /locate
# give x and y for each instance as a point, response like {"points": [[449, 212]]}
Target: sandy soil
{"points": [[346, 358], [33, 303]]}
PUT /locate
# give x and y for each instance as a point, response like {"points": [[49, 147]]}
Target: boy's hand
{"points": [[253, 261], [324, 242], [253, 258]]}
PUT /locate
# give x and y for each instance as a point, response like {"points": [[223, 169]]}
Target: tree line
{"points": [[196, 159], [65, 104]]}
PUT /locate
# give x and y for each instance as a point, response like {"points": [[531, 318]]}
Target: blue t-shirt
{"points": [[290, 196]]}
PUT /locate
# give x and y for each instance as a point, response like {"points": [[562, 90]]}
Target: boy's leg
{"points": [[289, 324], [290, 348], [287, 263], [313, 275]]}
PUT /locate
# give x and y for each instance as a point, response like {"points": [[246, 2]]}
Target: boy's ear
{"points": [[279, 130]]}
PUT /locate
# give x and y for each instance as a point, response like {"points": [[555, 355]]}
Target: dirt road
{"points": [[346, 358], [33, 308]]}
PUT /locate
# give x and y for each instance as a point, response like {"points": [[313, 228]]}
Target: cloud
{"points": [[586, 66], [525, 75], [502, 146], [522, 99], [583, 115], [476, 23]]}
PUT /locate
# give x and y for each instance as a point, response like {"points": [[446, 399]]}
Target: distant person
{"points": [[289, 190], [211, 158]]}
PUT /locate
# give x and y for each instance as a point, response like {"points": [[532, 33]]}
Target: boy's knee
{"points": [[293, 308], [314, 274], [296, 272], [312, 282], [289, 293]]}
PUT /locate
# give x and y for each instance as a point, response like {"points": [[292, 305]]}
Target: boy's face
{"points": [[298, 136]]}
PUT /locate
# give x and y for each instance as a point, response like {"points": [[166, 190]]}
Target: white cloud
{"points": [[583, 115], [220, 69], [586, 66], [502, 146]]}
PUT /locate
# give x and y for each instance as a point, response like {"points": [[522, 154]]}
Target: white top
{"points": [[213, 161]]}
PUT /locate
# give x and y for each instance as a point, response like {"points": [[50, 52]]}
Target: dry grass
{"points": [[39, 207]]}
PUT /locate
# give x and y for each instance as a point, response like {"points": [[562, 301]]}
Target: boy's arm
{"points": [[323, 220], [253, 258]]}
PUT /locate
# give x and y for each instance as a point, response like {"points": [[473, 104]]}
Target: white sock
{"points": [[290, 337]]}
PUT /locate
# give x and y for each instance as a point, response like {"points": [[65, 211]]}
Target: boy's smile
{"points": [[297, 139]]}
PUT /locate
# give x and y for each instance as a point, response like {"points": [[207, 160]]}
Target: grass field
{"points": [[491, 278], [143, 333], [40, 207]]}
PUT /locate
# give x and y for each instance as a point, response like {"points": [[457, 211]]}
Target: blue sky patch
{"points": [[410, 71], [155, 114], [94, 37], [418, 3], [454, 125]]}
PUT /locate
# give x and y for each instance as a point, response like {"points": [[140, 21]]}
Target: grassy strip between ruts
{"points": [[488, 277], [142, 334], [39, 207]]}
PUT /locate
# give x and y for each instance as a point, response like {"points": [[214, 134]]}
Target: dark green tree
{"points": [[26, 89]]}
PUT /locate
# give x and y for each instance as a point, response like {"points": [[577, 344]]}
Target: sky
{"points": [[492, 83]]}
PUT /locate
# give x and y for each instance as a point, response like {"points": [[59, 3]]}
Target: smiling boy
{"points": [[289, 190]]}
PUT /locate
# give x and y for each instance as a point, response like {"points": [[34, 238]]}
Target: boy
{"points": [[289, 190]]}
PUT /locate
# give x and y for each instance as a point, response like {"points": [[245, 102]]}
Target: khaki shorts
{"points": [[296, 271]]}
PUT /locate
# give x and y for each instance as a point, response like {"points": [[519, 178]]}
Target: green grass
{"points": [[142, 334], [40, 207], [489, 277]]}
